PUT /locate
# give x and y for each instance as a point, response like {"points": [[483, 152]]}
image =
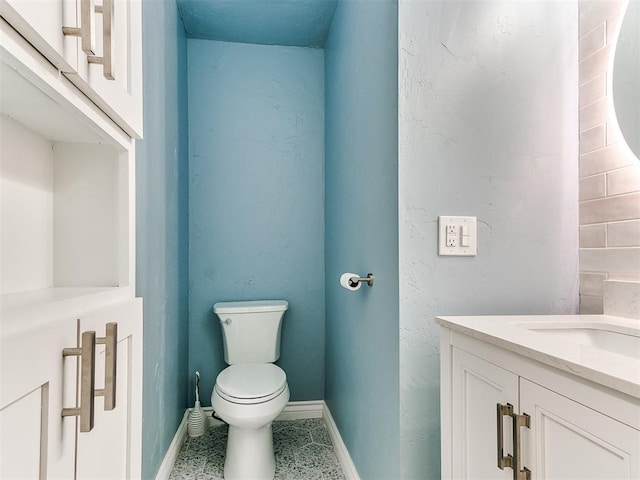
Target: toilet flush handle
{"points": [[227, 321]]}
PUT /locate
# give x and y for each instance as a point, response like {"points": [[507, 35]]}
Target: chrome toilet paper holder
{"points": [[355, 281]]}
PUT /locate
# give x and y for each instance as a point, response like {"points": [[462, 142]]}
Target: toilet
{"points": [[251, 392]]}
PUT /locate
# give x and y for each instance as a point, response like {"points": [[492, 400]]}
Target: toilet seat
{"points": [[250, 383]]}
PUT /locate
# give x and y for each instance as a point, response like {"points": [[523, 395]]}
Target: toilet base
{"points": [[250, 454]]}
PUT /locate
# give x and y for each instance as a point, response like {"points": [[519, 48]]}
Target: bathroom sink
{"points": [[612, 338], [604, 349]]}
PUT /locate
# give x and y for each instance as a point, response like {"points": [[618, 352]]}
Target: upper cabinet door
{"points": [[112, 76], [42, 22]]}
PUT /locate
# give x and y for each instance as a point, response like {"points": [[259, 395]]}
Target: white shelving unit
{"points": [[67, 248]]}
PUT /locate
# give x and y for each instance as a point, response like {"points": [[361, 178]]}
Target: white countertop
{"points": [[616, 371]]}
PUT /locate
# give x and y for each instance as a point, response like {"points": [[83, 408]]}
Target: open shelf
{"points": [[66, 216]]}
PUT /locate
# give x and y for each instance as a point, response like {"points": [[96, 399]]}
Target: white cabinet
{"points": [[115, 86], [575, 429], [35, 385], [568, 440], [67, 267], [41, 23], [113, 448], [478, 387], [104, 61], [38, 382]]}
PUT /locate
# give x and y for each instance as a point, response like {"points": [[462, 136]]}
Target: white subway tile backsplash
{"points": [[613, 133], [592, 187], [622, 207], [623, 234], [611, 26], [597, 14], [591, 305], [592, 139], [624, 180], [603, 160], [592, 42], [593, 236], [594, 65], [593, 90], [594, 114], [625, 277], [592, 284], [609, 226], [613, 260], [584, 5], [622, 299]]}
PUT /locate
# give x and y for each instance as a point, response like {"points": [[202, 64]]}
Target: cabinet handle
{"points": [[87, 353], [110, 340], [519, 472], [106, 60], [86, 31], [502, 411]]}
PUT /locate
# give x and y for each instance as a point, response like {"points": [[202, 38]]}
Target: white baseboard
{"points": [[340, 449], [300, 410], [174, 448], [293, 411]]}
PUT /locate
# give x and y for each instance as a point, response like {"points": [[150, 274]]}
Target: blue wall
{"points": [[162, 229], [256, 199], [362, 358]]}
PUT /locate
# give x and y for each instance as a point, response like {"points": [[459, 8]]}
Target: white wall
{"points": [[488, 126], [26, 232]]}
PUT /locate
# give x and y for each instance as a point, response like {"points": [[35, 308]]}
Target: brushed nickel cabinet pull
{"points": [[502, 411], [87, 354], [110, 340], [86, 32], [519, 471], [106, 60]]}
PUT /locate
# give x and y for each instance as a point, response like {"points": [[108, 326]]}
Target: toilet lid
{"points": [[256, 382]]}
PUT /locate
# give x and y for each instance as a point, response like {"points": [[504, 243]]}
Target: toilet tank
{"points": [[251, 330]]}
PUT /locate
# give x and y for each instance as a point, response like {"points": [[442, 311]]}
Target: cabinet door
{"points": [[570, 441], [478, 386], [113, 448], [36, 383], [119, 95], [41, 22]]}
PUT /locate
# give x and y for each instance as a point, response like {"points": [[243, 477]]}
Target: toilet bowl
{"points": [[252, 391], [249, 396]]}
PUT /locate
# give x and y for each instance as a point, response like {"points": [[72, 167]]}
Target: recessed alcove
{"points": [[64, 204]]}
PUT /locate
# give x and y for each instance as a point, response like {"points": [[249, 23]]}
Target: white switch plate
{"points": [[450, 239]]}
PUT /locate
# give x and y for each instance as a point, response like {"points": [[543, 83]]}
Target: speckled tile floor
{"points": [[302, 448]]}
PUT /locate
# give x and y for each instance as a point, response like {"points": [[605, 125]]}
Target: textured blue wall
{"points": [[302, 23], [162, 229], [362, 358], [256, 199]]}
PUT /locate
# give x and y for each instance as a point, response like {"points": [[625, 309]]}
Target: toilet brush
{"points": [[197, 421]]}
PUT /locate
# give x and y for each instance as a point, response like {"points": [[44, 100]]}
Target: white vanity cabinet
{"points": [[67, 272], [104, 61], [569, 428]]}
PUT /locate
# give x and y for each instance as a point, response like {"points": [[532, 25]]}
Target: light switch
{"points": [[457, 236]]}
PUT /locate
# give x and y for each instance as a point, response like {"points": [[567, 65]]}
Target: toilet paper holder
{"points": [[355, 281]]}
